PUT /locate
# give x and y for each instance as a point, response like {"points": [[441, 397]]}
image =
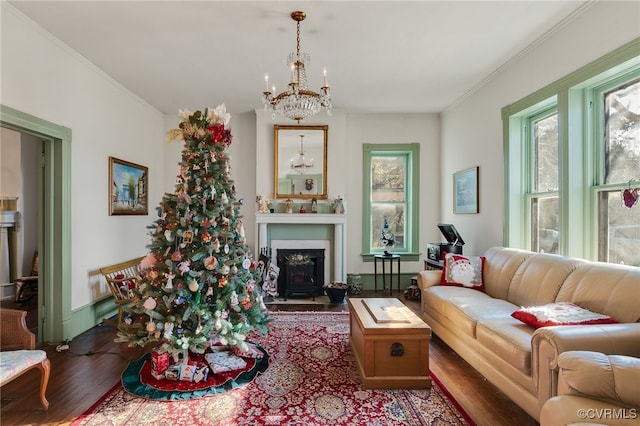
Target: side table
{"points": [[384, 258]]}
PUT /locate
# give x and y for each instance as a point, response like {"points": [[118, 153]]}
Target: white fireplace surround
{"points": [[335, 254]]}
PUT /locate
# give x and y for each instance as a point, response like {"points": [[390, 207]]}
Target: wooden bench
{"points": [[121, 278]]}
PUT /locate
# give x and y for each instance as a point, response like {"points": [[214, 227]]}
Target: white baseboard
{"points": [[7, 291]]}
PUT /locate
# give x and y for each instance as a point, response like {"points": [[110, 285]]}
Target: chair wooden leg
{"points": [[45, 370], [110, 322], [120, 312], [18, 289]]}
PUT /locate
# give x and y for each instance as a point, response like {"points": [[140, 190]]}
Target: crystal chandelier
{"points": [[299, 163], [297, 102]]}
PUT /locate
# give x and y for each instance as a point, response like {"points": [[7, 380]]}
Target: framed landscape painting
{"points": [[465, 191], [128, 186]]}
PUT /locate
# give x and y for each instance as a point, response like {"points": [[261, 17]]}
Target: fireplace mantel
{"points": [[301, 218], [338, 221]]}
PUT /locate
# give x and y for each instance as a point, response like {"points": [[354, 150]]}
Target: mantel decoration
{"points": [[198, 294], [297, 102]]}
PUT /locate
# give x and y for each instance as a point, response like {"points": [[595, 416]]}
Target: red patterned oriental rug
{"points": [[311, 380]]}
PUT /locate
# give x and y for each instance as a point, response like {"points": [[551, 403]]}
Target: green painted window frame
{"points": [[412, 193], [578, 154], [542, 111]]}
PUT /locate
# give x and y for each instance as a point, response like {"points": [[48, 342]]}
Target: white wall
{"points": [[43, 77], [472, 130]]}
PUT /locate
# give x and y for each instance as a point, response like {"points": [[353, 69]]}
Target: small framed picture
{"points": [[128, 187], [465, 191]]}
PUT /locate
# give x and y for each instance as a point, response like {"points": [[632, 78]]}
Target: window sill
{"points": [[408, 257]]}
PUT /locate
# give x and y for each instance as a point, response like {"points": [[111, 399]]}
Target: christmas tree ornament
{"points": [[177, 255], [211, 263], [184, 267], [168, 330], [150, 304], [168, 235], [226, 248], [246, 263], [151, 326], [187, 237], [169, 280], [225, 270], [194, 286]]}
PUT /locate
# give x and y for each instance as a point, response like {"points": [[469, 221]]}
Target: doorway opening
{"points": [[53, 303]]}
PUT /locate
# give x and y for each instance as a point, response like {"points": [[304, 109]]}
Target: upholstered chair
{"points": [[594, 388], [18, 353]]}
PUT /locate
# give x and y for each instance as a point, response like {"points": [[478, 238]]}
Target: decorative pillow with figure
{"points": [[463, 271]]}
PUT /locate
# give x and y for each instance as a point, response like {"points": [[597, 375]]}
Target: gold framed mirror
{"points": [[300, 161]]}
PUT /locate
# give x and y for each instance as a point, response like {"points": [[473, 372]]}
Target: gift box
{"points": [[187, 372], [251, 352], [159, 363], [173, 372], [224, 361], [201, 374]]}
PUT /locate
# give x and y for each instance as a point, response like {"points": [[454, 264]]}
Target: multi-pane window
{"points": [[390, 198], [388, 201], [573, 151], [544, 206], [619, 221]]}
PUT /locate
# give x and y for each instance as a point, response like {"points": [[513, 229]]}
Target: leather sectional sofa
{"points": [[522, 361]]}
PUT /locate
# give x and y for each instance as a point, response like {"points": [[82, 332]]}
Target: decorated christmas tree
{"points": [[198, 286]]}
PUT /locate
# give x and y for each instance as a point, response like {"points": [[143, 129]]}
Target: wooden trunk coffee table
{"points": [[390, 344]]}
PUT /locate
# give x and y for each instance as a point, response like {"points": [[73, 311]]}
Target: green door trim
{"points": [[54, 217]]}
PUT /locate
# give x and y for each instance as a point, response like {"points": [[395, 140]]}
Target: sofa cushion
{"points": [[509, 339], [538, 280], [501, 264], [604, 288], [463, 271], [445, 302], [561, 313], [12, 363]]}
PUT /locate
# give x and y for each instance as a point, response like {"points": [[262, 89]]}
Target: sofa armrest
{"points": [[600, 376], [429, 278], [547, 343]]}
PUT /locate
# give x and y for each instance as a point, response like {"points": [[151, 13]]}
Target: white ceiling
{"points": [[381, 56]]}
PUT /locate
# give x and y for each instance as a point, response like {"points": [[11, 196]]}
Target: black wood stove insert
{"points": [[301, 272]]}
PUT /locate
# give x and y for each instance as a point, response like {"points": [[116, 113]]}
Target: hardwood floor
{"points": [[93, 365]]}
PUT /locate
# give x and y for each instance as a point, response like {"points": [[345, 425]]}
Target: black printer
{"points": [[435, 251]]}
